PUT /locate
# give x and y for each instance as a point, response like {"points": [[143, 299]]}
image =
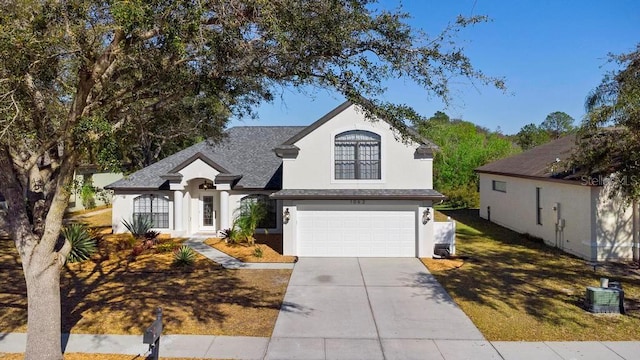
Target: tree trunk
{"points": [[44, 316]]}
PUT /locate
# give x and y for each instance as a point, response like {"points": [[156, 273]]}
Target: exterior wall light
{"points": [[426, 216], [206, 185], [286, 216]]}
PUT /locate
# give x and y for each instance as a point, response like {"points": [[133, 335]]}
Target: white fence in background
{"points": [[445, 234]]}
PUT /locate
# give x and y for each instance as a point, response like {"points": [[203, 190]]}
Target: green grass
{"points": [[515, 288]]}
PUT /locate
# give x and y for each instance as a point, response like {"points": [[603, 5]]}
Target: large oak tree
{"points": [[609, 138], [98, 79]]}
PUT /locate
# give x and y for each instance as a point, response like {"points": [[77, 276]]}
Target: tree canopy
{"points": [[557, 124], [609, 138], [554, 126], [116, 81], [463, 146], [531, 135]]}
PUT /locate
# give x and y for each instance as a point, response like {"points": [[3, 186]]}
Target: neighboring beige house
{"points": [[343, 186], [574, 213], [99, 180]]}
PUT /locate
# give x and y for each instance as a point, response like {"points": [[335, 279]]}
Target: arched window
{"points": [[357, 155], [270, 219], [154, 207]]}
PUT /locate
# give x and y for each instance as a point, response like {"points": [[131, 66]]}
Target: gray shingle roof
{"points": [[536, 162], [346, 194], [246, 150]]}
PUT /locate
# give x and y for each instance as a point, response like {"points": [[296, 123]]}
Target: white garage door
{"points": [[356, 232]]}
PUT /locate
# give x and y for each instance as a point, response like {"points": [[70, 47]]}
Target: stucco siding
{"points": [[613, 226], [100, 180], [516, 209], [122, 209], [314, 166]]}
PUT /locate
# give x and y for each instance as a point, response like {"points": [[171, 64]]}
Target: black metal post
{"points": [[152, 336]]}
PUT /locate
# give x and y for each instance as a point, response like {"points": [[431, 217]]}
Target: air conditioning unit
{"points": [[604, 300]]}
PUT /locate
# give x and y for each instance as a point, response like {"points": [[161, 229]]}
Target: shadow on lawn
{"points": [[507, 270], [107, 295]]}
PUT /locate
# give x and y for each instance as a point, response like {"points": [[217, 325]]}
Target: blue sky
{"points": [[550, 52]]}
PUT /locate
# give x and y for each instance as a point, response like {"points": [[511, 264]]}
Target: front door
{"points": [[207, 213]]}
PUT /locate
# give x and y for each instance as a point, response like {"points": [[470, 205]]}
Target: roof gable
{"points": [[414, 135], [203, 158]]}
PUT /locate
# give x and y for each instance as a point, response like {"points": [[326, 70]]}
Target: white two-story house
{"points": [[342, 186]]}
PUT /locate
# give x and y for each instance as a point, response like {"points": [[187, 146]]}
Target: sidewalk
{"points": [[248, 348], [229, 262]]}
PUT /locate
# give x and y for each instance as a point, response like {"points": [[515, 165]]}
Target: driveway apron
{"points": [[371, 308]]}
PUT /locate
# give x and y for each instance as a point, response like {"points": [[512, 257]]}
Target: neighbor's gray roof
{"points": [[534, 163], [246, 151], [347, 194]]}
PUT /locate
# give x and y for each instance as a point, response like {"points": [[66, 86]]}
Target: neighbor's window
{"points": [[269, 221], [357, 155], [154, 207], [500, 186], [538, 207]]}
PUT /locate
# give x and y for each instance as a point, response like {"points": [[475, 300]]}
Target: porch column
{"points": [[177, 210], [224, 209]]}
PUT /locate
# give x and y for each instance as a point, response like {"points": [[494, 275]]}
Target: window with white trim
{"points": [[270, 219], [500, 186], [154, 207], [357, 155]]}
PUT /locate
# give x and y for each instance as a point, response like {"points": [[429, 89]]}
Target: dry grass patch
{"points": [[247, 253], [516, 288], [117, 293]]}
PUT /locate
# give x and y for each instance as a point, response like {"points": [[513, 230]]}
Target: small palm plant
{"points": [[83, 245], [184, 256], [247, 221]]}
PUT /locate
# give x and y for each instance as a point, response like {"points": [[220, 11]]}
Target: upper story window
{"points": [[357, 155], [153, 207]]}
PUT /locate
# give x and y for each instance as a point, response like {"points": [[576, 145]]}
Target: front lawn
{"points": [[516, 288], [116, 293]]}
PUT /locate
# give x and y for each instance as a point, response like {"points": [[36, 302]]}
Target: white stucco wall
{"points": [[589, 222], [613, 225], [123, 208], [313, 168]]}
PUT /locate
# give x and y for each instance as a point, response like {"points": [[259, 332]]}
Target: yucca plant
{"points": [[184, 256], [138, 226], [83, 245]]}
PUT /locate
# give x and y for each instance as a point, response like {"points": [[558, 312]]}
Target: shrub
{"points": [[83, 245], [137, 250], [165, 247], [257, 252], [184, 256], [139, 226], [231, 235], [466, 197]]}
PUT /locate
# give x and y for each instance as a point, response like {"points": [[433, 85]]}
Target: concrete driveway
{"points": [[371, 308]]}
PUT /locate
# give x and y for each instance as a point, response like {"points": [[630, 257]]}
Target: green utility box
{"points": [[604, 300]]}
